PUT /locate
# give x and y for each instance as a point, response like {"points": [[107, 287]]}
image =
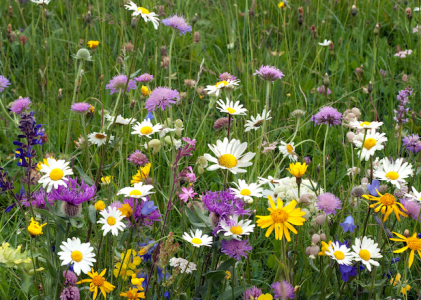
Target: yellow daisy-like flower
{"points": [[133, 294], [144, 90], [228, 276], [265, 297], [281, 218], [397, 281], [131, 260], [126, 210], [325, 247], [93, 44], [386, 204], [142, 174], [281, 4], [45, 162], [106, 180], [412, 243], [92, 109], [297, 169], [98, 281], [100, 205], [34, 228]]}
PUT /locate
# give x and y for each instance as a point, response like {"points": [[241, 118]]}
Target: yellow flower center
{"points": [[414, 243], [279, 215], [365, 123], [369, 143], [387, 199], [98, 280], [100, 136], [365, 254], [146, 130], [231, 110], [126, 210], [135, 193], [290, 149], [245, 192], [392, 175], [143, 10], [339, 255], [223, 83], [111, 221], [56, 174], [132, 295], [228, 161], [196, 241], [76, 256], [236, 230]]}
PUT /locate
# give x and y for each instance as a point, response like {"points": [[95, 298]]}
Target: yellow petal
{"points": [[411, 258], [401, 250]]}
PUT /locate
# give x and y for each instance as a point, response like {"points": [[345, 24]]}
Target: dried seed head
{"points": [[357, 191], [298, 113], [133, 22], [164, 51], [165, 62], [10, 12], [70, 210], [189, 83], [161, 10], [214, 219], [128, 47], [196, 37], [408, 13]]}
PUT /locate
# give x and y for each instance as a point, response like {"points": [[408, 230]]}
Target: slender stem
{"points": [[324, 158], [169, 58]]}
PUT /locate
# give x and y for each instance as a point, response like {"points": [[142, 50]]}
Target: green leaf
{"points": [[215, 276], [237, 292], [26, 282], [227, 264], [92, 214], [85, 177], [51, 268], [311, 262], [271, 262]]}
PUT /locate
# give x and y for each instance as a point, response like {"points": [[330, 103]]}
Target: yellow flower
{"points": [[265, 297], [133, 294], [98, 281], [126, 210], [412, 243], [92, 109], [34, 228], [281, 218], [145, 91], [325, 247], [281, 4], [131, 260], [386, 204], [142, 174], [44, 161], [297, 169], [100, 205], [93, 44], [397, 281], [106, 180], [228, 276], [137, 281]]}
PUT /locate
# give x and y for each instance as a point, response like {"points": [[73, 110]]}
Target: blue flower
{"points": [[348, 225], [375, 185], [395, 260], [149, 116], [147, 256], [347, 271], [9, 208], [148, 207], [167, 295]]}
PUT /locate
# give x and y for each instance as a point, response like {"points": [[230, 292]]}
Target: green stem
{"points": [[324, 158], [169, 59]]}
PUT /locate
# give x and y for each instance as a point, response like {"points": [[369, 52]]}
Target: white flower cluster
{"points": [[182, 263]]}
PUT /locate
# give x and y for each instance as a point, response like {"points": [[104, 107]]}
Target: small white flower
{"points": [[144, 13], [236, 228], [415, 195], [55, 173], [417, 9], [182, 263], [197, 239], [215, 89], [119, 121], [81, 255], [247, 191], [111, 220], [365, 251], [288, 150], [256, 122], [137, 191], [99, 138], [231, 108], [341, 253], [360, 125], [146, 128], [41, 2], [373, 141], [394, 173], [325, 43]]}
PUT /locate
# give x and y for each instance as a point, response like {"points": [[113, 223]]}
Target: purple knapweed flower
{"points": [[329, 203], [137, 158], [74, 193], [412, 143], [144, 78], [226, 76], [283, 290], [118, 83], [178, 23], [38, 199], [161, 97], [236, 248], [4, 83], [70, 293], [269, 73], [80, 107], [327, 115], [71, 278], [19, 105], [253, 292]]}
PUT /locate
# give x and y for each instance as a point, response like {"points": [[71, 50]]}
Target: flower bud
{"points": [[196, 37], [83, 54], [370, 87], [200, 170], [350, 136], [178, 123], [354, 10], [323, 237], [70, 210], [60, 94], [178, 131], [194, 19], [133, 22], [320, 219], [408, 13], [383, 188], [132, 104], [326, 81], [364, 181], [202, 161], [357, 192], [315, 238], [377, 29], [406, 233]]}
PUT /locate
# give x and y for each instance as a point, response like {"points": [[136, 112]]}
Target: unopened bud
{"points": [[202, 161], [164, 51], [364, 181], [178, 131], [320, 219], [350, 136], [194, 19], [315, 238], [133, 22], [46, 14], [132, 104], [323, 237], [300, 20], [200, 170], [370, 87], [408, 13], [377, 29], [406, 233], [10, 12], [178, 123], [326, 81], [60, 94], [383, 188], [354, 10]]}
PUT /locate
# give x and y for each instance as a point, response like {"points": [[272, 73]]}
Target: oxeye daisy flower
{"points": [[4, 83], [79, 254], [137, 191], [413, 243], [144, 13], [360, 125], [373, 141], [178, 23], [197, 239], [327, 115], [80, 107], [99, 138], [297, 169], [146, 128], [325, 43], [269, 73], [229, 155], [41, 2], [231, 108], [111, 220], [386, 204], [161, 97], [281, 218], [394, 173], [234, 228], [98, 282], [415, 195], [341, 253], [224, 84], [55, 173], [256, 122], [288, 150], [118, 83], [365, 251], [19, 105], [247, 191], [236, 248], [144, 78], [119, 120]]}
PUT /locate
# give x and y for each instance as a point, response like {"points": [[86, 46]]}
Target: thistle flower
{"points": [[81, 107], [283, 290], [236, 248], [118, 83], [269, 73], [178, 23], [226, 76], [19, 105], [161, 97], [253, 292], [222, 123], [137, 158], [74, 193], [329, 203], [144, 78], [4, 83], [327, 115], [70, 293]]}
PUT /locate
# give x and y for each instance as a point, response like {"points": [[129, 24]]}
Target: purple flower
{"points": [[19, 105], [137, 158], [347, 271], [329, 203], [400, 114], [190, 175], [38, 199], [348, 225], [412, 143], [269, 73], [118, 83], [144, 78], [70, 293], [145, 212], [161, 97], [74, 193], [236, 248], [226, 76], [253, 292], [412, 208], [189, 141], [178, 23], [327, 115], [187, 193], [395, 260], [373, 188], [80, 107], [71, 278], [307, 160], [283, 290], [4, 83], [147, 256], [321, 90]]}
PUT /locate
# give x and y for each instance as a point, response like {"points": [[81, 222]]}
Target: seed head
{"points": [[83, 54]]}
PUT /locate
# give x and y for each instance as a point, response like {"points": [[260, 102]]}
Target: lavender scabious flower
{"points": [[283, 290], [144, 78], [74, 193], [38, 199], [412, 143], [4, 83], [236, 248], [400, 113], [412, 208], [118, 83], [70, 293], [145, 212], [253, 292], [226, 76], [80, 107], [329, 203], [71, 278], [269, 73], [19, 105], [327, 115], [178, 23], [161, 97], [137, 158], [322, 90]]}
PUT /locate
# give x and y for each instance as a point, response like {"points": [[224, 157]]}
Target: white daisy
{"points": [[288, 150], [229, 155], [325, 43], [146, 128], [365, 251], [417, 9], [137, 191], [119, 121], [360, 125], [415, 195], [197, 239], [247, 191], [144, 13], [270, 180], [373, 141], [236, 228], [231, 108], [99, 138], [111, 220], [41, 2], [341, 253], [163, 132], [55, 173], [255, 123], [79, 254], [394, 172], [215, 89]]}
